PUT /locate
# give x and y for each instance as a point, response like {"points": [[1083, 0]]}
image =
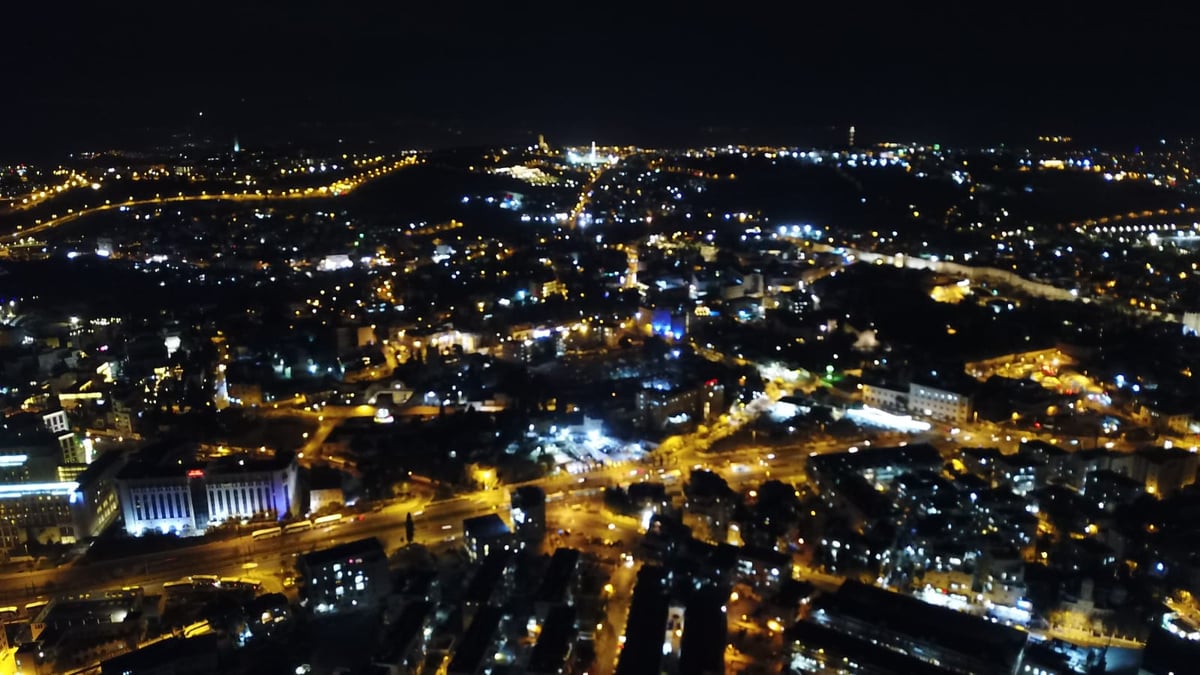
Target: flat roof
{"points": [[529, 495], [475, 642], [489, 525], [702, 647], [367, 549], [766, 555], [646, 626], [101, 464], [401, 633], [558, 576], [148, 659], [838, 644], [484, 581], [902, 615], [1165, 653], [554, 644]]}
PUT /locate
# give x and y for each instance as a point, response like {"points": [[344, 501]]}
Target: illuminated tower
{"points": [[631, 257], [236, 146], [852, 135], [543, 146], [592, 158]]}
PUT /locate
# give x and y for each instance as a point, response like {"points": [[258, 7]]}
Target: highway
{"points": [[336, 189]]}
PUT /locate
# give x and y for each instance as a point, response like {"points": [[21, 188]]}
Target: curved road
{"points": [[337, 189]]}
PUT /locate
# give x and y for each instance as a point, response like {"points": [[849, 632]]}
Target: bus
{"points": [[331, 519], [269, 533], [301, 526]]}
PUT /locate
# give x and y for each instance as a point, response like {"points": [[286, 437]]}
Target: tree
{"points": [[409, 527]]}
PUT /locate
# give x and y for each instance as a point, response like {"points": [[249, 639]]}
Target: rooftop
{"points": [[647, 621], [152, 658], [870, 655], [368, 549], [558, 576], [554, 644], [476, 641], [486, 526], [908, 619]]}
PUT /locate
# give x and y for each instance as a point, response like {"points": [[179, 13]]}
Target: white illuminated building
{"points": [[939, 404], [186, 500]]}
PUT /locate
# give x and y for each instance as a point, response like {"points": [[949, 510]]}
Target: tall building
{"points": [[645, 628], [95, 503], [35, 499], [346, 578], [484, 534], [529, 514], [680, 407], [631, 261]]}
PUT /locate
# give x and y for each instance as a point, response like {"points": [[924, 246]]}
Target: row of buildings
{"points": [[56, 488]]}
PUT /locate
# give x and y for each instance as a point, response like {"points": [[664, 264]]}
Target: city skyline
{"points": [[433, 77], [573, 340]]}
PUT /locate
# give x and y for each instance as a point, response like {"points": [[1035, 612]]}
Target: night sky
{"points": [[103, 74]]}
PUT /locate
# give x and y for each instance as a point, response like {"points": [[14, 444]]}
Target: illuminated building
{"points": [[350, 577], [71, 630], [185, 499], [39, 511], [884, 397], [938, 403], [675, 408], [39, 500], [94, 503], [160, 503], [863, 629], [484, 534]]}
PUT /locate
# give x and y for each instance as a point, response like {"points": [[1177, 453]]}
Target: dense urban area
{"points": [[862, 408]]}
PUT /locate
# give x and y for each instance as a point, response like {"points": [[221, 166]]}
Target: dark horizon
{"points": [[95, 77]]}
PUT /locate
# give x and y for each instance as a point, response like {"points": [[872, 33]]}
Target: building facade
{"points": [[350, 577], [666, 408], [884, 398], [185, 500], [940, 404]]}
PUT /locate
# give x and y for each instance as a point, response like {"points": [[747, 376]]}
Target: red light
{"points": [[711, 383], [195, 473]]}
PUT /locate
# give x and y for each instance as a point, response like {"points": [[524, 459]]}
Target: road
{"points": [[336, 189], [585, 194]]}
